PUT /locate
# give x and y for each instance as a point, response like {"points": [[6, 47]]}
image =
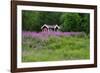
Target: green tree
{"points": [[50, 18], [33, 20], [85, 22], [70, 21], [30, 20]]}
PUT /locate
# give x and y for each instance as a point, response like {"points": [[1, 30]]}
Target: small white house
{"points": [[46, 27]]}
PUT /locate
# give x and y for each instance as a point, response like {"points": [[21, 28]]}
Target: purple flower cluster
{"points": [[47, 34]]}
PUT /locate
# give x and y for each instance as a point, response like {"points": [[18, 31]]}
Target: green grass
{"points": [[55, 48]]}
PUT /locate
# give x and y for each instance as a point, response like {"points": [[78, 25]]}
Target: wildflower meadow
{"points": [[54, 46], [71, 42]]}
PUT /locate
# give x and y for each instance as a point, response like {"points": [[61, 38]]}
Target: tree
{"points": [[50, 18], [30, 20], [85, 22], [70, 21], [34, 20]]}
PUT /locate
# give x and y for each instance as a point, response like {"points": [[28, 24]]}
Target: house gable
{"points": [[50, 27]]}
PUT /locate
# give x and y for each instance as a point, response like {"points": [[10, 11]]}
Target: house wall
{"points": [[44, 29]]}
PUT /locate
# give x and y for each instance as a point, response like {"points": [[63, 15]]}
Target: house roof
{"points": [[50, 26]]}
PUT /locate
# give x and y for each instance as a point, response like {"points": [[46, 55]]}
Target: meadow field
{"points": [[71, 41], [54, 46]]}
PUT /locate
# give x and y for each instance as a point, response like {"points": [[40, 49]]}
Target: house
{"points": [[46, 27]]}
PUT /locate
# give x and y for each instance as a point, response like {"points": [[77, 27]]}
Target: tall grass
{"points": [[55, 48]]}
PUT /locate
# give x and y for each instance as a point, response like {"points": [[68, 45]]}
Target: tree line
{"points": [[77, 22]]}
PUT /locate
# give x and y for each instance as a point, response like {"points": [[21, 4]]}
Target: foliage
{"points": [[33, 20], [70, 21], [30, 21], [85, 23]]}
